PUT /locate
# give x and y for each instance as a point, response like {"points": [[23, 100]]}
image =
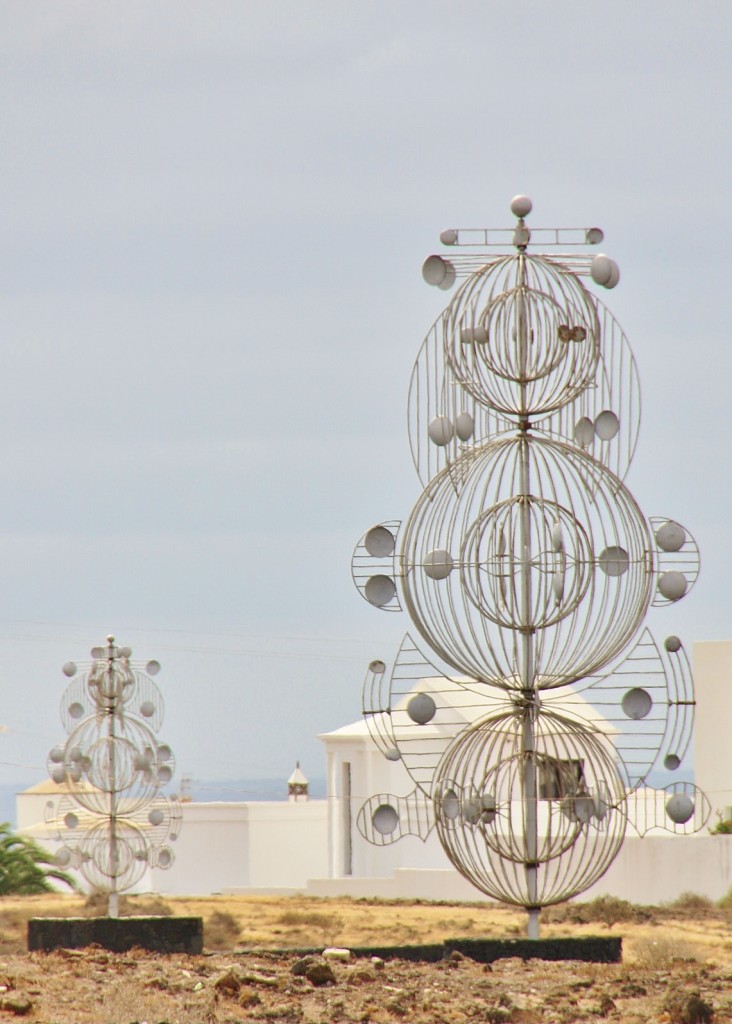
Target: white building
{"points": [[267, 846], [314, 846], [653, 869]]}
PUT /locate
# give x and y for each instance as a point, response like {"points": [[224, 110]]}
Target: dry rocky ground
{"points": [[677, 967]]}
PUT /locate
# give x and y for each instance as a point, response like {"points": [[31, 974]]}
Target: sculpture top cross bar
{"points": [[527, 568]]}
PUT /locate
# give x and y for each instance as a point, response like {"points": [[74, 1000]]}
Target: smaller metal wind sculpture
{"points": [[115, 821], [530, 727]]}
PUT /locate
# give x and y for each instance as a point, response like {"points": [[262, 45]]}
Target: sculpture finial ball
{"points": [[521, 206]]}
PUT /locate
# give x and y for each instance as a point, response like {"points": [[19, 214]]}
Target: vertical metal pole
{"points": [[527, 635], [113, 902]]}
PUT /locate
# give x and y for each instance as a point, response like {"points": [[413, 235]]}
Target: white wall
{"points": [[257, 845], [304, 844], [653, 870], [712, 662], [657, 868]]}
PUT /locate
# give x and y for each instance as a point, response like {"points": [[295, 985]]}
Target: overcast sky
{"points": [[213, 217]]}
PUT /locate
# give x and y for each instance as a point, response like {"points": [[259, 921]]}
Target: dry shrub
{"points": [[154, 906], [304, 919], [97, 904], [221, 930], [607, 910], [327, 925], [688, 1008], [126, 1002], [13, 930], [725, 902], [658, 953], [692, 904]]}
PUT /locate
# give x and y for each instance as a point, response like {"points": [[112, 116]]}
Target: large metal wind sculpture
{"points": [[527, 568], [115, 821]]}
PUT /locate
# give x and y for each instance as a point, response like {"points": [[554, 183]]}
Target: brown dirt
{"points": [[677, 968]]}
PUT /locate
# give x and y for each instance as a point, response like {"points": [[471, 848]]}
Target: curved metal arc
{"points": [[384, 818], [366, 568]]}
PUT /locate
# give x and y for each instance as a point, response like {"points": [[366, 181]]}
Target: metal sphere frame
{"points": [[543, 703], [115, 821], [480, 794]]}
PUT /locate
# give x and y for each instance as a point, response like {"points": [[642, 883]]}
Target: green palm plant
{"points": [[26, 869]]}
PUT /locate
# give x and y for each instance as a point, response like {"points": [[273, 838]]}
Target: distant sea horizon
{"points": [[199, 790], [271, 788]]}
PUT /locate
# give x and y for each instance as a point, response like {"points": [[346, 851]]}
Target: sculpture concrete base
{"points": [[118, 934], [591, 949]]}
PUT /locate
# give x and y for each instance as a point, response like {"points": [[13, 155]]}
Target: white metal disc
{"points": [[393, 754], [434, 270], [558, 582], [557, 537], [69, 669], [672, 644], [448, 236], [637, 703], [680, 808], [76, 710], [671, 536], [614, 561], [379, 542], [379, 590], [607, 425], [152, 668], [614, 275], [450, 805], [449, 279], [601, 269], [441, 430], [672, 585], [421, 708], [377, 667], [438, 564], [385, 819], [584, 432], [464, 426]]}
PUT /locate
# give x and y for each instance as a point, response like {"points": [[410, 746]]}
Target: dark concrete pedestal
{"points": [[590, 948], [606, 949], [118, 934]]}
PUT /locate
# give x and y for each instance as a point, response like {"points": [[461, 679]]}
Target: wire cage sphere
{"points": [[116, 687], [117, 862], [492, 777], [522, 336], [110, 681], [97, 765], [579, 537]]}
